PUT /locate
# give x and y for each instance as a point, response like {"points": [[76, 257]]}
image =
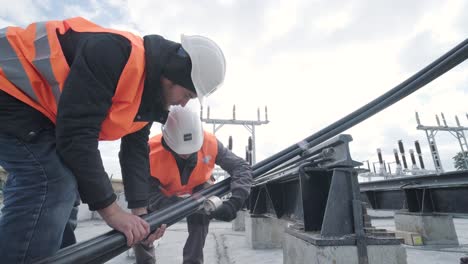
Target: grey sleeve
{"points": [[239, 170]]}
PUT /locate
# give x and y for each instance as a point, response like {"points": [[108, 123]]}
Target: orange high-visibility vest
{"points": [[33, 69], [164, 166]]}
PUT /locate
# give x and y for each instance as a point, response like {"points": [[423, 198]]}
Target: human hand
{"points": [[133, 227], [155, 235], [226, 212]]}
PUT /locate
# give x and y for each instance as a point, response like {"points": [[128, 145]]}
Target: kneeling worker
{"points": [[182, 159]]}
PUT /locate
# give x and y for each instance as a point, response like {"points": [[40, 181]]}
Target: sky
{"points": [[311, 62]]}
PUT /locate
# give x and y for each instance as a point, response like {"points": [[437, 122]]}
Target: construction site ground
{"points": [[225, 246]]}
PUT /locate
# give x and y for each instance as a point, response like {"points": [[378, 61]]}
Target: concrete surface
{"points": [[238, 224], [310, 247], [435, 253], [225, 246], [297, 250], [434, 229], [264, 232]]}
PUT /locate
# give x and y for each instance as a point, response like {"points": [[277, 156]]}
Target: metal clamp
{"points": [[211, 204]]}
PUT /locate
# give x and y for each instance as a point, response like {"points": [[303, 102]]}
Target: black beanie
{"points": [[178, 69]]}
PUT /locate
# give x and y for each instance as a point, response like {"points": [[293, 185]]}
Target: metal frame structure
{"points": [[457, 132], [248, 124], [441, 193], [318, 193]]}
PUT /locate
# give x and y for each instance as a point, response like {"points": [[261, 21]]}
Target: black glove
{"points": [[227, 211]]}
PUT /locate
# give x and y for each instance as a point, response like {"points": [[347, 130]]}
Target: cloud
{"points": [[310, 62], [462, 21], [420, 51], [5, 23], [326, 25], [212, 18], [383, 19], [21, 13]]}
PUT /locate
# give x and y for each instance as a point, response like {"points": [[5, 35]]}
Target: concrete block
{"points": [[297, 250], [410, 238], [435, 229], [239, 223], [386, 254], [264, 232]]}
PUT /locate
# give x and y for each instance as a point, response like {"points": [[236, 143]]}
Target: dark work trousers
{"points": [[197, 225], [69, 238]]}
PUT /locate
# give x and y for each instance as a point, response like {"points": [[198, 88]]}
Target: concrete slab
{"points": [[223, 245], [264, 232], [311, 247], [226, 246], [435, 229], [433, 254]]}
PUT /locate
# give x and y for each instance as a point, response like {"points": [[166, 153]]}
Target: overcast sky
{"points": [[310, 61]]}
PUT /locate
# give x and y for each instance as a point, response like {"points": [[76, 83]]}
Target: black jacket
{"points": [[96, 61]]}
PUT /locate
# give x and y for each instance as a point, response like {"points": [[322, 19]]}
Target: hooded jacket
{"points": [[96, 62]]}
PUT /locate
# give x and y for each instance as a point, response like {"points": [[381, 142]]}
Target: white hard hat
{"points": [[183, 131], [208, 64]]}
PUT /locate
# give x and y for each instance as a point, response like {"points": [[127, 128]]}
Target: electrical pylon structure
{"points": [[456, 131], [248, 124]]}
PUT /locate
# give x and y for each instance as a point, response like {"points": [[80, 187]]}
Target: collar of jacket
{"points": [[157, 53], [192, 159]]}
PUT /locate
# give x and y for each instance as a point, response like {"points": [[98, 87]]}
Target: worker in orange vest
{"points": [[65, 85], [182, 160]]}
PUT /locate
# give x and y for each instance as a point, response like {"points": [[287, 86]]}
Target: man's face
{"points": [[175, 94]]}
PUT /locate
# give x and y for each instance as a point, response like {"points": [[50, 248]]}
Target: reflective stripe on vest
{"points": [[11, 66], [42, 59], [33, 69], [164, 166]]}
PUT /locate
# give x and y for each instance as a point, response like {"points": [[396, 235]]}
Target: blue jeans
{"points": [[39, 195]]}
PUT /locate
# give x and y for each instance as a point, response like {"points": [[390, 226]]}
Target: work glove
{"points": [[464, 260], [228, 210]]}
